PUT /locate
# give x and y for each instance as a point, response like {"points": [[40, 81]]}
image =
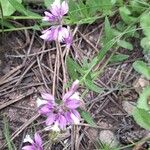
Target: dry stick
{"points": [[63, 67], [24, 73], [15, 100], [55, 72], [29, 49], [28, 86], [17, 132], [84, 37], [10, 80], [41, 72], [10, 73], [51, 71]]}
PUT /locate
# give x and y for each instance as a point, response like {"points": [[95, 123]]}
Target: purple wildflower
{"points": [[59, 33], [35, 144], [67, 37], [46, 105], [57, 11], [53, 34], [59, 116]]}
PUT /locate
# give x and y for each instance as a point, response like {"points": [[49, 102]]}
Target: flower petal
{"points": [[62, 121], [75, 119], [49, 17], [72, 90], [72, 104], [47, 96], [46, 109], [50, 119], [40, 102], [47, 35], [28, 147], [55, 8], [38, 139], [64, 8]]}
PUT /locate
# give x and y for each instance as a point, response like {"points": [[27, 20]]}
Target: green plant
{"points": [[141, 113]]}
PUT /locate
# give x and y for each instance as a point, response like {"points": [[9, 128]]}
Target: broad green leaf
{"points": [[20, 8], [119, 58], [108, 31], [87, 117], [136, 6], [125, 44], [7, 8], [125, 15], [142, 68], [48, 3], [144, 98], [145, 24], [142, 117], [90, 85], [145, 44]]}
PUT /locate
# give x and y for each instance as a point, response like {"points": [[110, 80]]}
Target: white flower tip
{"points": [[40, 102], [27, 139], [55, 127]]}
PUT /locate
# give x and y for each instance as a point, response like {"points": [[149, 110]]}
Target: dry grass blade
{"points": [[15, 100]]}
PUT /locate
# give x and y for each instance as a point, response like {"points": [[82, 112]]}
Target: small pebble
{"points": [[108, 137], [128, 106]]}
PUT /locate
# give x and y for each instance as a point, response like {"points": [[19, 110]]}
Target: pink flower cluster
{"points": [[57, 32], [59, 115]]}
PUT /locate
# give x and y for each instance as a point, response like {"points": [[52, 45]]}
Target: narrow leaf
{"points": [[20, 8], [125, 44], [90, 85], [119, 58], [87, 117]]}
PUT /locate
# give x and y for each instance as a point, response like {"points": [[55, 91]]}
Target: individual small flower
{"points": [[35, 144], [53, 34], [57, 11], [67, 37], [58, 33], [56, 121], [45, 105]]}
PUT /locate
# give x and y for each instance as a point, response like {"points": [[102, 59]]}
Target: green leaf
{"points": [[7, 8], [20, 8], [87, 117], [125, 44], [119, 58], [74, 65], [145, 24], [90, 85], [125, 15], [142, 117], [145, 43], [48, 3], [142, 68], [71, 70], [143, 99], [108, 31], [105, 49]]}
